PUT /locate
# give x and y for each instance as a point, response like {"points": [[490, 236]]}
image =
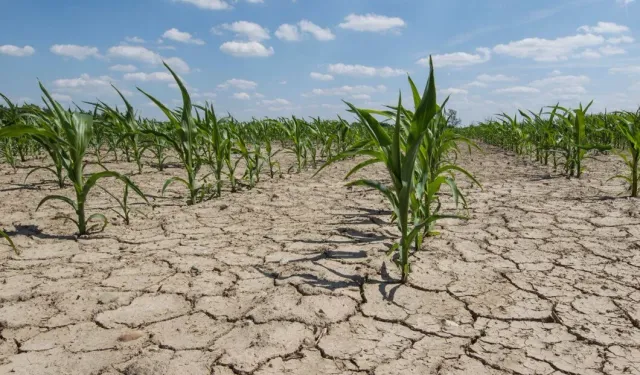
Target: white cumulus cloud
{"points": [[246, 49], [145, 77], [364, 71], [458, 59], [295, 33], [321, 77], [348, 90], [142, 54], [208, 4], [83, 81], [454, 91], [540, 49], [250, 30], [241, 96], [621, 39], [564, 81], [322, 34], [74, 51], [11, 50], [277, 101], [495, 78], [123, 68], [604, 28], [137, 53], [181, 36], [372, 23], [240, 84], [289, 33]]}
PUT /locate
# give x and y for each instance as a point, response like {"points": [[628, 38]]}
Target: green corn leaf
{"points": [[60, 198], [10, 241]]}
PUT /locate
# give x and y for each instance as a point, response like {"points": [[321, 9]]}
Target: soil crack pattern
{"points": [[291, 277]]}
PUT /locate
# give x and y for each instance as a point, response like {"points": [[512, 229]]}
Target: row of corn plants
{"points": [[565, 137], [208, 148]]}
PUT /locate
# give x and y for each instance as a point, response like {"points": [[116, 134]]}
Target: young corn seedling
{"points": [[181, 135], [312, 151], [216, 141], [9, 153], [294, 132], [123, 203], [250, 163], [51, 123], [231, 167], [577, 141], [15, 115], [127, 126], [398, 153], [157, 146], [342, 134], [73, 140], [272, 164], [9, 145], [434, 169], [258, 161], [629, 126]]}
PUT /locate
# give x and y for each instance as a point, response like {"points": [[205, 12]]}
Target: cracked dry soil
{"points": [[291, 278]]}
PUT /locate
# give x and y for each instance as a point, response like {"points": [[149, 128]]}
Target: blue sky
{"points": [[256, 58]]}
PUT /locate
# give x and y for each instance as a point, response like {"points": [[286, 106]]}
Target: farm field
{"points": [[291, 277], [285, 187]]}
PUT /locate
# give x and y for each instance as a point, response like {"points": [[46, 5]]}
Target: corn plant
{"points": [[311, 151], [398, 153], [74, 138], [123, 204], [127, 127], [49, 121], [576, 146], [10, 117], [181, 135], [544, 134], [8, 151], [629, 126], [216, 144], [294, 132], [157, 146], [517, 134], [435, 168], [341, 141], [269, 153], [231, 166], [15, 115], [251, 159]]}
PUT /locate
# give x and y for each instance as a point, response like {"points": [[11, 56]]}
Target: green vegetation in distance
{"points": [[565, 137]]}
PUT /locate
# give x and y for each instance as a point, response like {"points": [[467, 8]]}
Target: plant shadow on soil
{"points": [[35, 231]]}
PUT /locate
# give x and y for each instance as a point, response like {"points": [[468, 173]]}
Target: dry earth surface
{"points": [[291, 278]]}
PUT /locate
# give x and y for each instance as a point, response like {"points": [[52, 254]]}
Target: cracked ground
{"points": [[291, 278]]}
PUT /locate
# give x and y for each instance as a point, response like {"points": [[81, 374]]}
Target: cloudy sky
{"points": [[256, 58]]}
